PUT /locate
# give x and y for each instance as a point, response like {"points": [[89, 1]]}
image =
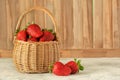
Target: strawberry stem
{"points": [[75, 60], [16, 32], [81, 68], [50, 68], [27, 25], [79, 64], [24, 28], [44, 29], [29, 36], [50, 30]]}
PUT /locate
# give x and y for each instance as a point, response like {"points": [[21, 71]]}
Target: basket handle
{"points": [[40, 9]]}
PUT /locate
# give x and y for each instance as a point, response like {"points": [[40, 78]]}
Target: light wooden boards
{"points": [[82, 24]]}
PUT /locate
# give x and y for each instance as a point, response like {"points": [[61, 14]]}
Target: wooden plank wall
{"points": [[82, 24]]}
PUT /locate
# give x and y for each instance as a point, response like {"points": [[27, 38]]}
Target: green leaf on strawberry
{"points": [[79, 65], [50, 30], [44, 29], [81, 68], [16, 32], [54, 34], [75, 60], [50, 68]]}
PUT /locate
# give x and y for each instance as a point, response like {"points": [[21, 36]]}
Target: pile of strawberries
{"points": [[33, 33], [70, 67]]}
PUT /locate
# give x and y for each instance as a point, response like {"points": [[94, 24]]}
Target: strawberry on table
{"points": [[70, 67], [22, 35], [60, 69], [75, 66], [34, 30]]}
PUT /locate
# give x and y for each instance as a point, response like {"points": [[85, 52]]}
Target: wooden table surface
{"points": [[95, 69]]}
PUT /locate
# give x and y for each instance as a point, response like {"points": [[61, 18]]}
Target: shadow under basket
{"points": [[35, 57]]}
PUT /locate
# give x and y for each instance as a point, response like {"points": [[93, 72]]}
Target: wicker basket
{"points": [[35, 57]]}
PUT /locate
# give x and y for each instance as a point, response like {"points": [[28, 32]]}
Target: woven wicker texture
{"points": [[35, 57]]}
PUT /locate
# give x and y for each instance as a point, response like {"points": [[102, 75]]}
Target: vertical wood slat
{"points": [[9, 25], [118, 18], [49, 5], [3, 28], [116, 33], [29, 17], [78, 23], [39, 16], [12, 16], [21, 9], [86, 28], [90, 21], [107, 24], [59, 18], [97, 23], [67, 8]]}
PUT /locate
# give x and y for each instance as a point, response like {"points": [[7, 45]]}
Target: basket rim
{"points": [[46, 42]]}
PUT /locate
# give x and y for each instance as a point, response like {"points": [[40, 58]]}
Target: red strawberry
{"points": [[22, 35], [42, 39], [75, 66], [34, 30], [32, 39], [60, 69], [47, 36]]}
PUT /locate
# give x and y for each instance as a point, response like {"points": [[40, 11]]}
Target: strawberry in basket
{"points": [[47, 35], [22, 35], [36, 34], [32, 39], [34, 30]]}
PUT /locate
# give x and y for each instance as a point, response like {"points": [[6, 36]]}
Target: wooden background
{"points": [[82, 24]]}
